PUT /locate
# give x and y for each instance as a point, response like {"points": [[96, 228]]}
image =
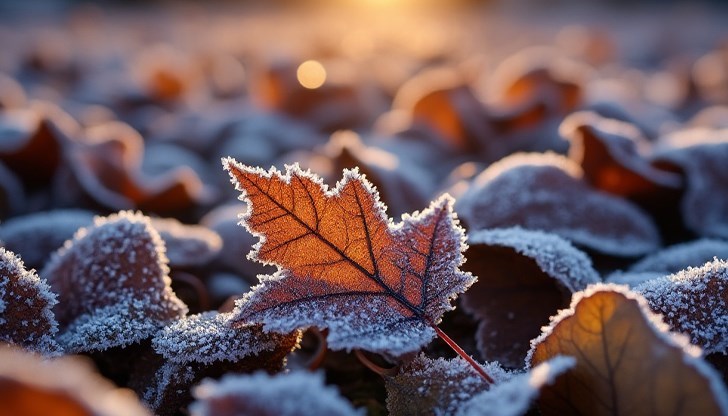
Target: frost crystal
{"points": [[547, 193], [211, 336], [436, 386], [113, 284], [292, 394], [554, 255], [694, 302], [26, 302]]}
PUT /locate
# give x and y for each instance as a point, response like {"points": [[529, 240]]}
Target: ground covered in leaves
{"points": [[453, 221]]}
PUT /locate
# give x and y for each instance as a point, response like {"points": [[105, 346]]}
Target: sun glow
{"points": [[311, 74]]}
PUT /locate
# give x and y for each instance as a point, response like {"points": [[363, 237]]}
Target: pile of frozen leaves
{"points": [[596, 211]]}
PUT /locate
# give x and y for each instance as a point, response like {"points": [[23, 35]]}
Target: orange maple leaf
{"points": [[344, 265]]}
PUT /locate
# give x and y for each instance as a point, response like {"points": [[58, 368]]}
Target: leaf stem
{"points": [[443, 336]]}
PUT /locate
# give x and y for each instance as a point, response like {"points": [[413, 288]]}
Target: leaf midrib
{"points": [[417, 311]]}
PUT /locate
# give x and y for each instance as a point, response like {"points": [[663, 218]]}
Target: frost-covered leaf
{"points": [[516, 395], [701, 158], [524, 277], [34, 237], [681, 256], [610, 152], [546, 192], [26, 307], [344, 265], [694, 302], [211, 336], [206, 345], [187, 245], [436, 386], [112, 283], [30, 386], [293, 394], [626, 361]]}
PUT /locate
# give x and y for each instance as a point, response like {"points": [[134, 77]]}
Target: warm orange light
{"points": [[311, 74]]}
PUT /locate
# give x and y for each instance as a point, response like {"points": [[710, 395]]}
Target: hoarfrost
{"points": [[113, 284], [694, 302], [546, 192], [211, 336], [436, 386], [292, 394], [26, 307], [388, 310], [555, 256]]}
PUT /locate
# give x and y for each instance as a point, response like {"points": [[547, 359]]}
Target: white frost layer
{"points": [[694, 302], [113, 284], [24, 294], [209, 337], [543, 192], [438, 386], [555, 256], [292, 394], [515, 396]]}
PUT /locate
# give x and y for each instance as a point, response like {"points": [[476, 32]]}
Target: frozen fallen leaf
{"points": [[205, 345], [694, 302], [26, 307], [546, 192], [436, 386], [344, 265], [626, 361], [524, 277], [112, 284], [34, 237]]}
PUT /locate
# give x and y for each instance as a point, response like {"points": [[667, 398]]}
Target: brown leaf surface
{"points": [[608, 152], [627, 362], [105, 171], [344, 265]]}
